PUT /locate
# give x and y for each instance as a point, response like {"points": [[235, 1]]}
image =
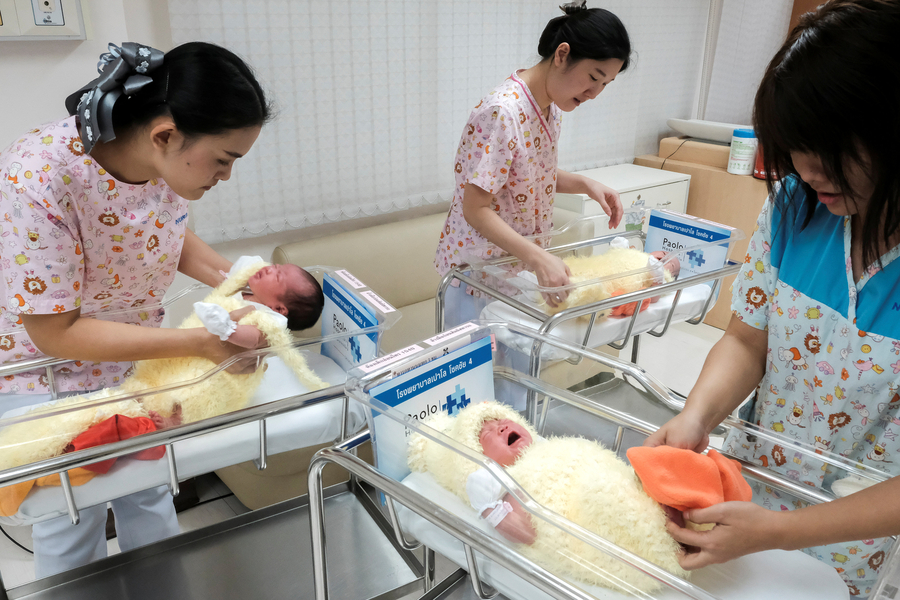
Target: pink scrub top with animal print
{"points": [[509, 150], [74, 237]]}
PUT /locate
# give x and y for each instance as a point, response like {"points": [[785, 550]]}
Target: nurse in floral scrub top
{"points": [[506, 162], [816, 325], [95, 219]]}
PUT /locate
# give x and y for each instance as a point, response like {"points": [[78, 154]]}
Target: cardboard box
{"points": [[689, 150], [719, 196]]}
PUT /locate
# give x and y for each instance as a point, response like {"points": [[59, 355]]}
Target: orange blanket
{"points": [[684, 479]]}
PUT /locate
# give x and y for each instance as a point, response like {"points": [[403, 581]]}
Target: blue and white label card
{"points": [[343, 313], [671, 232], [448, 383]]}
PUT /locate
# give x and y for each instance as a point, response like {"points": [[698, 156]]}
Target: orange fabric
{"points": [[12, 496], [684, 479], [77, 476], [734, 486], [113, 429], [627, 310]]}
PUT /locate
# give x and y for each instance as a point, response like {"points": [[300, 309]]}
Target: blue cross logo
{"points": [[695, 258], [355, 350], [456, 401]]}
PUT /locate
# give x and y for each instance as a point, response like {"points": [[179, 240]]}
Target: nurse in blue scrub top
{"points": [[816, 324]]}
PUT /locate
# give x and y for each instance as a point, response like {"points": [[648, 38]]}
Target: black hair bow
{"points": [[123, 70]]}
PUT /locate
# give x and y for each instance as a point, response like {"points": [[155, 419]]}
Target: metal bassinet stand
{"points": [[564, 406], [485, 276], [260, 554]]}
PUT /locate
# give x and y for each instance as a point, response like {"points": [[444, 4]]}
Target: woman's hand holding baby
{"points": [[682, 431], [741, 528], [552, 272]]}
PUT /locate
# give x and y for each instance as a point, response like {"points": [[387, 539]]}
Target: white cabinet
{"points": [[638, 187]]}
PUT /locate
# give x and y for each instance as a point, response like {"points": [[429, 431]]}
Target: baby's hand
{"points": [[162, 422], [237, 315]]}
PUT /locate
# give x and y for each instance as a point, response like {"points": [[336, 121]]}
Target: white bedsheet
{"points": [[771, 574], [202, 454], [605, 330]]}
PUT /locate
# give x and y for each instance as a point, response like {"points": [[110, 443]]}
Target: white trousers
{"points": [[460, 307], [141, 518]]}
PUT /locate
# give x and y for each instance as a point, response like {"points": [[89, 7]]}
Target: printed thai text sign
{"points": [[447, 383], [694, 239], [344, 313]]}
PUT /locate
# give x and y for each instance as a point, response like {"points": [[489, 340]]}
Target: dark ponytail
{"points": [[592, 33], [204, 88]]}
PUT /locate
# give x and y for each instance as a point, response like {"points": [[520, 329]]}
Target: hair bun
{"points": [[571, 8]]}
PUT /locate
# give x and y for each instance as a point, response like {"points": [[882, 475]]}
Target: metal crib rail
{"points": [[622, 419], [548, 324], [167, 437], [471, 538], [471, 541]]}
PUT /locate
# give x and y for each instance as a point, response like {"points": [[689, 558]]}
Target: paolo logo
{"points": [[456, 401]]}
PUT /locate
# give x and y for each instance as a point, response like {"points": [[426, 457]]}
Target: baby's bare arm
{"points": [[517, 525]]}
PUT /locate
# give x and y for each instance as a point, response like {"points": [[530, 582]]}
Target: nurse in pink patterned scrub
{"points": [[506, 162], [94, 212]]}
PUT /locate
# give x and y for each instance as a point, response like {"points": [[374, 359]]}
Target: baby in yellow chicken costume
{"points": [[583, 482], [574, 477], [38, 439], [639, 270]]}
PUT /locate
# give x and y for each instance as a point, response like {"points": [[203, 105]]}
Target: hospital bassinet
{"points": [[282, 415], [619, 412], [504, 292]]}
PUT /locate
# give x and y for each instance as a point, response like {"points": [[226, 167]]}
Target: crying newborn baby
{"points": [[576, 478]]}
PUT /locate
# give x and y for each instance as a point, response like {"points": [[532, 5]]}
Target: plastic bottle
{"points": [[759, 170], [743, 152]]}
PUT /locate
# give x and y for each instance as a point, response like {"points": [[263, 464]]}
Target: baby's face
{"points": [[270, 284], [503, 440]]}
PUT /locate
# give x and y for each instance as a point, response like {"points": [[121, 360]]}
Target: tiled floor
{"points": [[675, 360]]}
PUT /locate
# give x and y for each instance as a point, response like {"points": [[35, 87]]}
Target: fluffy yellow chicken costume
{"points": [[603, 266], [575, 478], [42, 438]]}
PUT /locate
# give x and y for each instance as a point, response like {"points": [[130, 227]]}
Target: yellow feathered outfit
{"points": [[611, 262], [576, 478], [42, 438]]}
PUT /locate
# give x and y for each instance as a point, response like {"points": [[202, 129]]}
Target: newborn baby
{"points": [[619, 258], [573, 477], [288, 293], [223, 392]]}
